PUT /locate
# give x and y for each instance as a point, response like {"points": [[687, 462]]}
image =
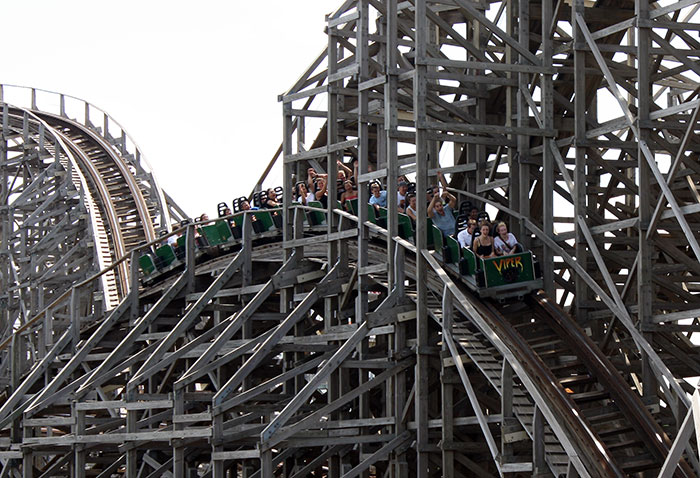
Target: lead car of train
{"points": [[500, 277]]}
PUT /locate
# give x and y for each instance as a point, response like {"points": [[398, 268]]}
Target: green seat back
{"points": [[182, 240], [429, 225], [316, 217], [265, 218], [211, 234], [470, 259], [382, 217], [237, 226], [371, 214], [238, 219], [146, 264], [453, 246], [405, 227], [166, 254], [352, 206], [437, 238], [224, 230]]}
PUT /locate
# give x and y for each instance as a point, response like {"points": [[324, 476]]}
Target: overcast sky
{"points": [[194, 83]]}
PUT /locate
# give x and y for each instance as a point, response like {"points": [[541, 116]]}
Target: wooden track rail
{"points": [[250, 380], [75, 200], [332, 346]]}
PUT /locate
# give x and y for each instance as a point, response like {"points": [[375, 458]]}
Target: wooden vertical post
{"points": [[580, 169], [363, 281], [420, 90], [178, 448], [391, 123], [133, 286], [508, 420], [512, 116], [78, 448], [523, 191], [645, 290], [448, 459], [217, 464], [539, 466], [246, 249], [132, 463], [75, 318], [547, 109], [190, 259], [400, 463], [28, 455]]}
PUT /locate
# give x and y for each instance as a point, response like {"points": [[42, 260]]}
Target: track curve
{"points": [[58, 167], [594, 421]]}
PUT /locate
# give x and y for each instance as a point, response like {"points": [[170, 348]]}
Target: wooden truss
{"points": [[75, 198], [349, 351]]}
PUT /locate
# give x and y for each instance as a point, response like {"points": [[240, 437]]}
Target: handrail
{"points": [[111, 119], [139, 158]]}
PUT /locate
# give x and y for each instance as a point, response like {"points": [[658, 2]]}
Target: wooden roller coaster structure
{"points": [[337, 347]]}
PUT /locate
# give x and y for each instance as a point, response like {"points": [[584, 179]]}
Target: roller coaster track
{"points": [[224, 383], [340, 349], [123, 203], [129, 214], [130, 221]]}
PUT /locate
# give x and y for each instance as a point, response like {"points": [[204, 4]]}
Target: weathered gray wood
{"points": [[192, 313], [277, 334], [513, 97], [83, 350]]}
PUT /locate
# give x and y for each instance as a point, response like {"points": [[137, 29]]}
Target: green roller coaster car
{"points": [[499, 277]]}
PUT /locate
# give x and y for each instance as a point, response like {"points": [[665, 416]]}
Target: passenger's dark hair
{"points": [[296, 187]]}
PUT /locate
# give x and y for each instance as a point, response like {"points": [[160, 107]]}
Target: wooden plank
{"points": [[379, 455], [236, 455], [279, 332], [320, 152]]}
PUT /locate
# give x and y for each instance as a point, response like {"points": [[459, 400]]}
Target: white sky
{"points": [[194, 83]]}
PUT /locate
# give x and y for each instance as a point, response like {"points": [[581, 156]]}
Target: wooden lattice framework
{"points": [[350, 351]]}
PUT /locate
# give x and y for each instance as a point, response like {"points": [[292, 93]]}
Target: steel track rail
{"points": [[629, 402], [586, 438], [117, 242], [582, 434], [571, 431]]}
